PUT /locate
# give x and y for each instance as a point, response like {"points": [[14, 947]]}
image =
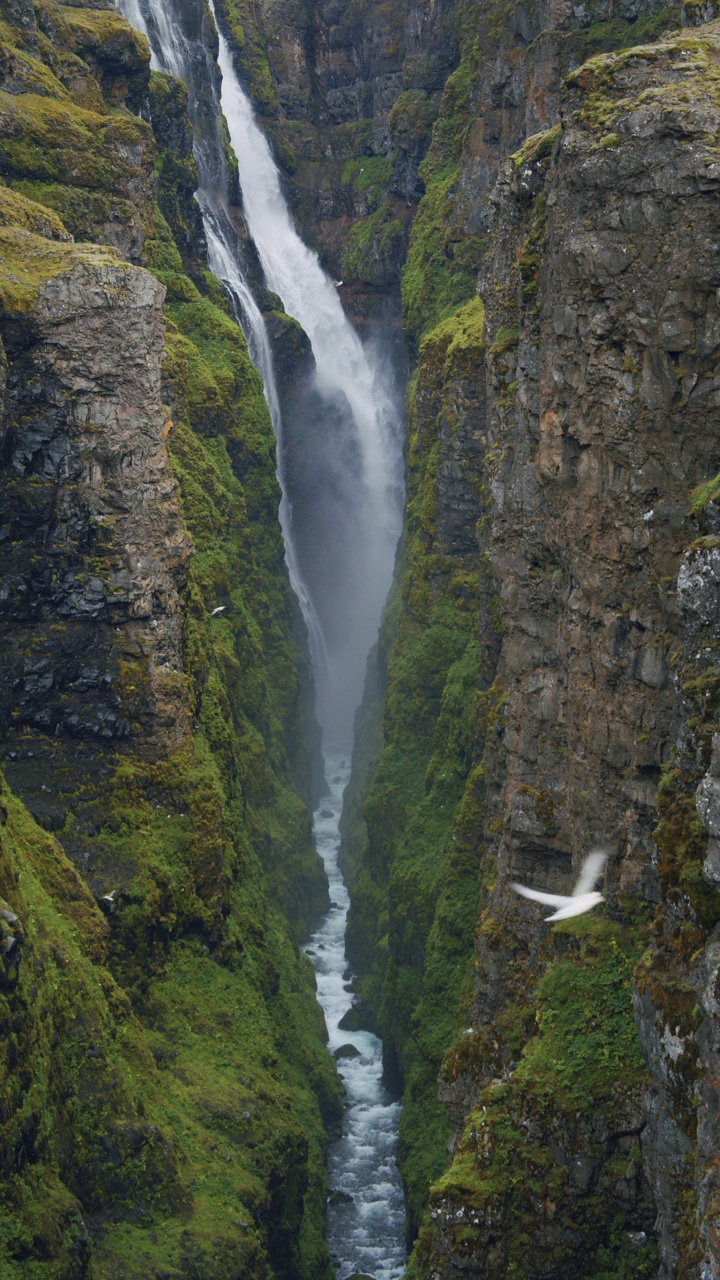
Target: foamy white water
{"points": [[366, 1233]]}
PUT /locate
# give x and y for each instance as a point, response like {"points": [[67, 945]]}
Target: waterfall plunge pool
{"points": [[366, 1213]]}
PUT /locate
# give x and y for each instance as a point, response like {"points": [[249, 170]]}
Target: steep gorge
{"points": [[545, 677]]}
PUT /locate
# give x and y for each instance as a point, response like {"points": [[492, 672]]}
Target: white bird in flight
{"points": [[583, 898], [219, 609]]}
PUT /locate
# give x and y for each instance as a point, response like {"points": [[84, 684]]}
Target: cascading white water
{"points": [[223, 264], [366, 1211], [173, 53], [293, 272]]}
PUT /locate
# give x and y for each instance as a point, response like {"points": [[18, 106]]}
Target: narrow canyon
{"points": [[359, 558]]}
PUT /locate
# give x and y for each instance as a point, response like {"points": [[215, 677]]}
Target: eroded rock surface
{"points": [[602, 338], [96, 551]]}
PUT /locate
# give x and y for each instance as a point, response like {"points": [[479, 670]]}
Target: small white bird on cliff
{"points": [[584, 897], [220, 609]]}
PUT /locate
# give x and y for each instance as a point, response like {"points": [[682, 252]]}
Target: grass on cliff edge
{"points": [[28, 261]]}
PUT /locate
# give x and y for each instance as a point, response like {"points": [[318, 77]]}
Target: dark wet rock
{"points": [[359, 1017], [339, 1197], [347, 1051]]}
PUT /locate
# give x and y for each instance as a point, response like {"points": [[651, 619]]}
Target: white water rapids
{"points": [[362, 469], [366, 1212]]}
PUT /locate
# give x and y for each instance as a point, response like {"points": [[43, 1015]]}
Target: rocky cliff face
{"points": [[580, 1133], [601, 357], [349, 97], [163, 1053]]}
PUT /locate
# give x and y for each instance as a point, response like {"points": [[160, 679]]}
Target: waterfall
{"points": [[369, 434], [187, 58], [341, 510]]}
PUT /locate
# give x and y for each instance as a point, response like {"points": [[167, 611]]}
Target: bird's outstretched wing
{"points": [[549, 899], [576, 907], [590, 873]]}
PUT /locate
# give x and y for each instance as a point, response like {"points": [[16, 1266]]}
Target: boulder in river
{"points": [[347, 1051], [340, 1197], [357, 1018]]}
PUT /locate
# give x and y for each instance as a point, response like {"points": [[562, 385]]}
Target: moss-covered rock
{"points": [[172, 1117]]}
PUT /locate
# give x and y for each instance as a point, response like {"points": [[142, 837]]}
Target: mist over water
{"points": [[359, 450]]}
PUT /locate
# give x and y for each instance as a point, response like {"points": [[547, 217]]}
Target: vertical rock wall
{"points": [[576, 1142], [164, 1083], [600, 328]]}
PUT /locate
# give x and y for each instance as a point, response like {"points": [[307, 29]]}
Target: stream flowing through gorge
{"points": [[366, 1211], [340, 563]]}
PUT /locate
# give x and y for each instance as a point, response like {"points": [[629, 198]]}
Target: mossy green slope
{"points": [[169, 1118], [507, 1189]]}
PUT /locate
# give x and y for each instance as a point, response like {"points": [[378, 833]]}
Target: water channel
{"points": [[366, 1211]]}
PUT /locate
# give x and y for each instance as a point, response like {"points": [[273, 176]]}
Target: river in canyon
{"points": [[340, 536], [366, 1210]]}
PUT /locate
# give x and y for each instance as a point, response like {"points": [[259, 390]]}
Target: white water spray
{"points": [[366, 1215], [293, 272]]}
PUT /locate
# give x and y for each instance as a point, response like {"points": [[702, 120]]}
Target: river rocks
{"points": [[359, 1017], [339, 1197]]}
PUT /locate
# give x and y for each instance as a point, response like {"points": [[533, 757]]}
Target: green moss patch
{"points": [[28, 261], [17, 211]]}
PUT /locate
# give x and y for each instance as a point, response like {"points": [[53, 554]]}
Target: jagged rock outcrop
{"points": [[96, 552]]}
